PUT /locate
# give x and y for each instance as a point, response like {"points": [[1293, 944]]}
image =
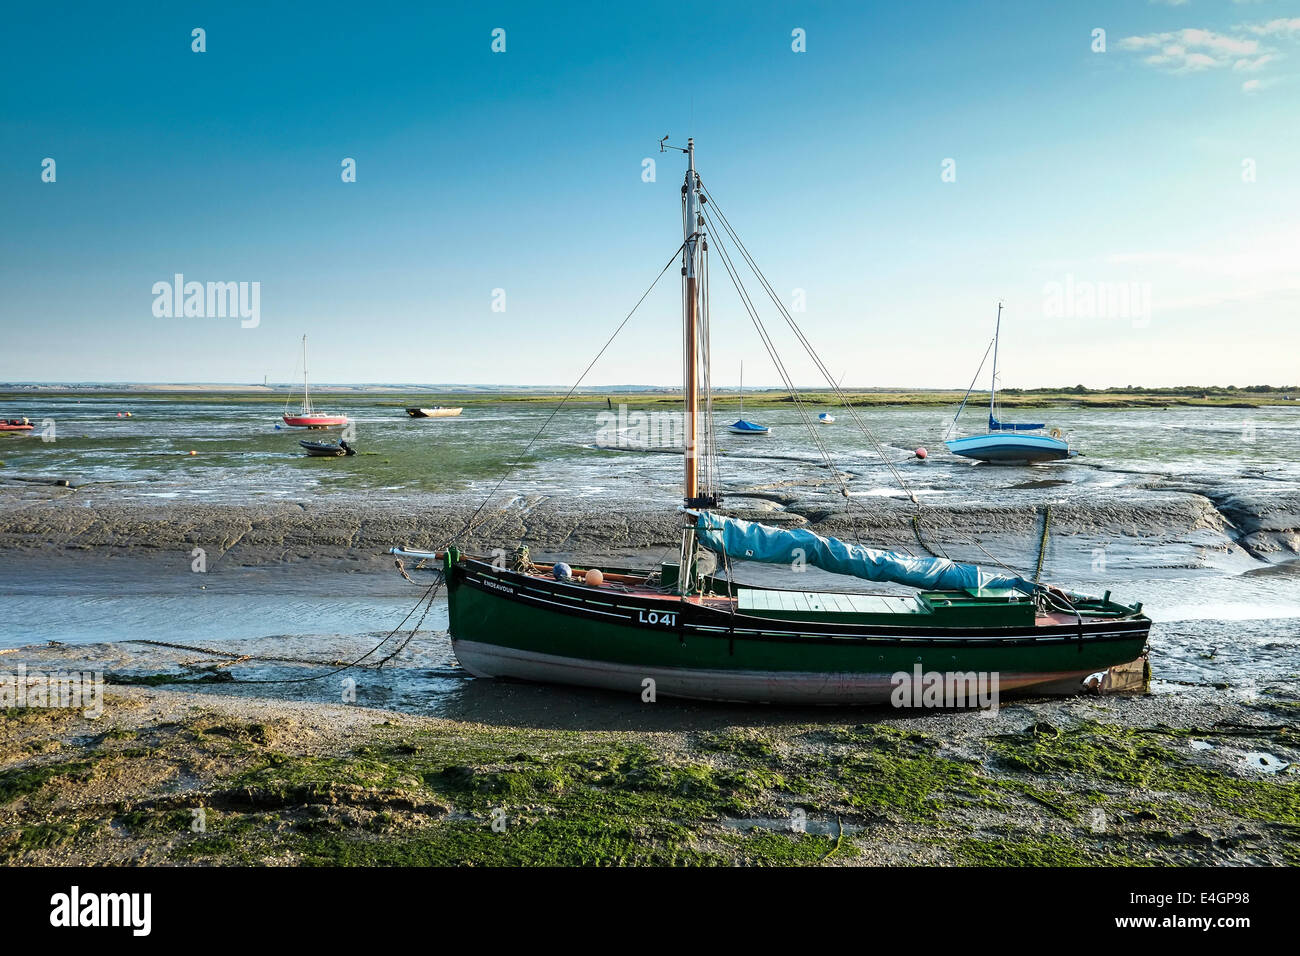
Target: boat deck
{"points": [[821, 603]]}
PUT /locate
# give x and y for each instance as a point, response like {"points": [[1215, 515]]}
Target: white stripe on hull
{"points": [[767, 687]]}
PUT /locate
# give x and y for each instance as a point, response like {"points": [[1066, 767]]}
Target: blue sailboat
{"points": [[741, 426], [1008, 443]]}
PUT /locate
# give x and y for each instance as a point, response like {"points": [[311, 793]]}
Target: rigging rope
{"points": [[808, 347], [777, 362], [835, 386], [567, 395], [431, 591], [965, 397], [787, 379]]}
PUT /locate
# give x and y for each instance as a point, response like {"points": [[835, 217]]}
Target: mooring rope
{"points": [[1042, 543], [916, 529]]}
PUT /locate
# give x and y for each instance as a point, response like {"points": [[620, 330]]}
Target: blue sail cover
{"points": [[997, 426], [755, 542]]}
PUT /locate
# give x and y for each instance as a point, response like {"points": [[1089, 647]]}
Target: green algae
{"points": [[159, 680], [767, 848], [740, 743], [1048, 850], [431, 796], [54, 833], [24, 781], [13, 718], [882, 770], [1109, 755], [280, 772], [547, 841]]}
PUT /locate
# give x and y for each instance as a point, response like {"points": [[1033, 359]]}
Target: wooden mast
{"points": [[691, 228]]}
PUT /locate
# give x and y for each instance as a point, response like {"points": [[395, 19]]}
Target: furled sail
{"points": [[997, 426], [746, 540]]}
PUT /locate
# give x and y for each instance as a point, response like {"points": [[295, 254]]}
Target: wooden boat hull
{"points": [[505, 624], [439, 412], [1011, 449], [315, 421], [790, 688]]}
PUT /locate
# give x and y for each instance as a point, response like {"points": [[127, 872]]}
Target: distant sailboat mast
{"points": [[306, 396], [993, 382]]}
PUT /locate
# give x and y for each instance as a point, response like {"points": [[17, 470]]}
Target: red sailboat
{"points": [[308, 417]]}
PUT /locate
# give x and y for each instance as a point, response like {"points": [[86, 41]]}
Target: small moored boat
{"points": [[1006, 442], [826, 418], [327, 449], [438, 411], [16, 425], [741, 426]]}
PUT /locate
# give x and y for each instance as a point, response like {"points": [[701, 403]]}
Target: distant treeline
{"points": [[1189, 390]]}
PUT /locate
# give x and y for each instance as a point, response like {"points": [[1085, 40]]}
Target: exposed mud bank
{"points": [[1263, 526]]}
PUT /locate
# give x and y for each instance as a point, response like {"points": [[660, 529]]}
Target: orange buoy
{"points": [[595, 578], [192, 452]]}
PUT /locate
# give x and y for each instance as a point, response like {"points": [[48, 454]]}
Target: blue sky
{"points": [[1094, 171]]}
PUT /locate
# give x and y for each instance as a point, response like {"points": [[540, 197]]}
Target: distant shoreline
{"points": [[401, 396]]}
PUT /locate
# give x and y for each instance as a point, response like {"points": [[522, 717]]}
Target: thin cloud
{"points": [[1283, 26], [1190, 49], [1255, 65], [1196, 50]]}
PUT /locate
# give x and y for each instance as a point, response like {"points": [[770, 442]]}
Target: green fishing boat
{"points": [[688, 629]]}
